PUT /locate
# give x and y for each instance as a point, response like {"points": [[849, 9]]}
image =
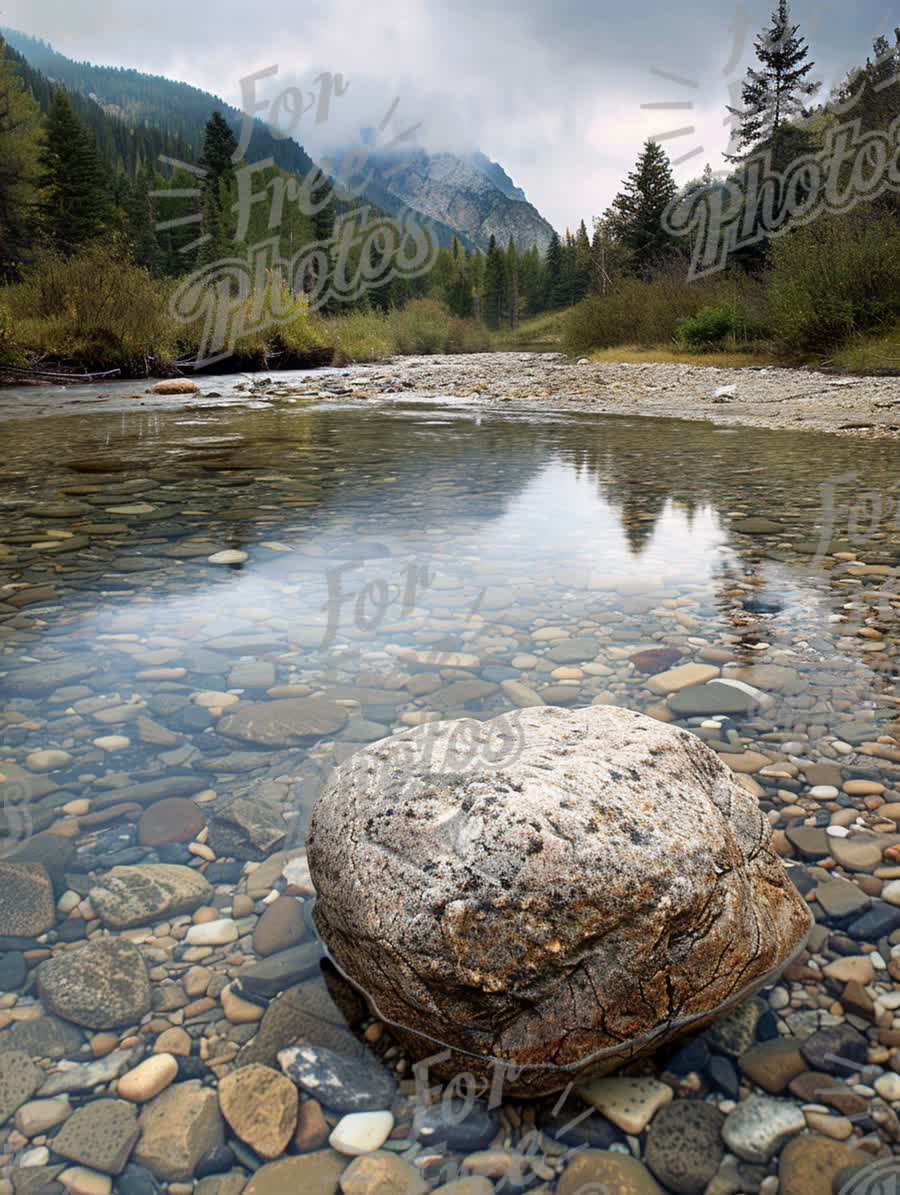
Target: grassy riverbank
{"points": [[95, 312]]}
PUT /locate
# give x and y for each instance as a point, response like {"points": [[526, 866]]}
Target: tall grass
{"points": [[96, 310], [423, 326]]}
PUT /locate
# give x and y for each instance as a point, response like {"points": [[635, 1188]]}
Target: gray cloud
{"points": [[552, 91]]}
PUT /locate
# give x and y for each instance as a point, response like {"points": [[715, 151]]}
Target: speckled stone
{"points": [[642, 788]]}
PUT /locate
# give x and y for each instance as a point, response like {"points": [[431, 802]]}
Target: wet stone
{"points": [[19, 1080], [27, 907], [594, 1170], [837, 1050], [313, 1174], [35, 680], [42, 1037], [172, 820], [132, 896], [101, 1135], [715, 697], [465, 1128], [773, 1064], [809, 1165], [246, 829], [684, 1146], [735, 1033], [282, 723], [343, 1084], [99, 986], [759, 1125], [281, 926]]}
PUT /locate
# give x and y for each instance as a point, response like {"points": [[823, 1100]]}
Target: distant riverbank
{"points": [[748, 396]]}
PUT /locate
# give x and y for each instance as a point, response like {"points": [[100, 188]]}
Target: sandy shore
{"points": [[752, 397]]}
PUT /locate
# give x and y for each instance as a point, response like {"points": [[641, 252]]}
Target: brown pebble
{"points": [[312, 1128], [103, 1044], [198, 1007], [205, 914], [112, 813], [173, 1041], [196, 981]]}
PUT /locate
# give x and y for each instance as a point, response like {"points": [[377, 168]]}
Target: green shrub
{"points": [[708, 327], [96, 310], [837, 277], [467, 336], [10, 350], [650, 314], [422, 326]]}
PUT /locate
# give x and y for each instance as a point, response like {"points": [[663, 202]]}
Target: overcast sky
{"points": [[553, 91]]}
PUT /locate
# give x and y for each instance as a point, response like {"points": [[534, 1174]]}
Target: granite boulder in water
{"points": [[555, 891]]}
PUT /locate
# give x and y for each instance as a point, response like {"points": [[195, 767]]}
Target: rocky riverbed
{"points": [[765, 396], [204, 608]]}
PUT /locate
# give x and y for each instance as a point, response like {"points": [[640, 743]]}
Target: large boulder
{"points": [[599, 888]]}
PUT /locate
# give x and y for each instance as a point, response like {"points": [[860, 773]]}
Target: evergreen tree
{"points": [[773, 96], [583, 263], [635, 217], [141, 223], [512, 284], [494, 302], [872, 93], [74, 202], [19, 148], [553, 271], [219, 147]]}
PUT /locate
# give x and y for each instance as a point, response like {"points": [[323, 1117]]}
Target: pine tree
{"points": [[635, 217], [494, 286], [74, 202], [872, 93], [512, 284], [141, 223], [583, 263], [19, 148], [219, 147], [773, 96], [553, 271]]}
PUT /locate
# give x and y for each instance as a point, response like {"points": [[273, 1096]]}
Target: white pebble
{"points": [[213, 933], [364, 1132], [36, 1157], [112, 742], [229, 556], [888, 1086]]}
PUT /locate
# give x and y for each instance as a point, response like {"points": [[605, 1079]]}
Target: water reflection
{"points": [[371, 532]]}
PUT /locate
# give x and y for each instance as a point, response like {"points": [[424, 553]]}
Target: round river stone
{"points": [[561, 893]]}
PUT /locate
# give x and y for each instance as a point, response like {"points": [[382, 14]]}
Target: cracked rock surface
{"points": [[561, 893]]}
